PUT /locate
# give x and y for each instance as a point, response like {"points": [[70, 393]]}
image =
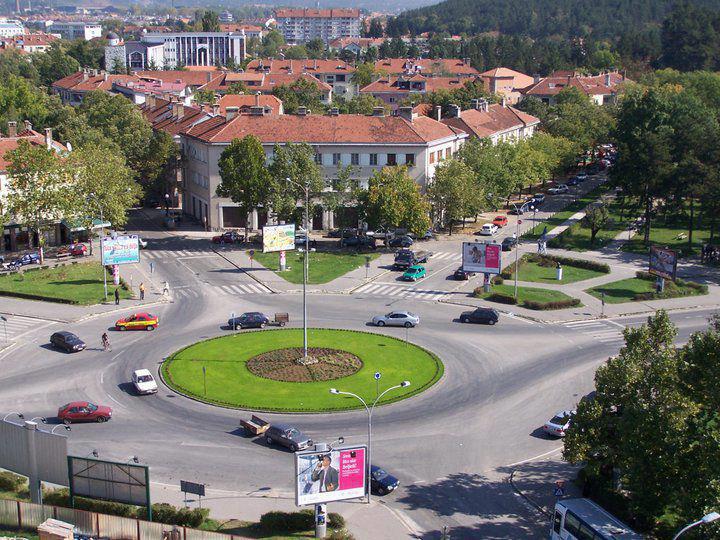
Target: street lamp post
{"points": [[306, 189], [517, 245], [4, 320], [370, 410], [708, 518], [102, 235]]}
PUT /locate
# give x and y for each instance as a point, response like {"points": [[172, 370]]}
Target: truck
{"points": [[405, 258]]}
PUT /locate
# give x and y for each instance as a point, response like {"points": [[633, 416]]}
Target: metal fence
{"points": [[25, 515]]}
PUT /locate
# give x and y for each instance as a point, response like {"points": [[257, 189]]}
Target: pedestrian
{"points": [[105, 342], [117, 296], [142, 291], [166, 289]]}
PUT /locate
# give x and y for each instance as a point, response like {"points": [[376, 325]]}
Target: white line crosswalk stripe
{"points": [[598, 330], [241, 289], [17, 325]]}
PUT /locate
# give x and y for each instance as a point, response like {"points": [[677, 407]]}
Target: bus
{"points": [[582, 519]]}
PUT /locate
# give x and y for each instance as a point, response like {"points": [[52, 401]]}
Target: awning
{"points": [[75, 226]]}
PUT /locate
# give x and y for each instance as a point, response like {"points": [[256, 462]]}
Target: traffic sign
{"points": [[251, 253], [377, 375], [367, 261], [559, 490], [519, 221]]}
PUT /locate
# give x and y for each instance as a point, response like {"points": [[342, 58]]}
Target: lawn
{"points": [[625, 290], [528, 294], [672, 234], [532, 271], [80, 283], [323, 266], [231, 384]]}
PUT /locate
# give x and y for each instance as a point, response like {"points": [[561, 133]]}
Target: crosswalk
{"points": [[18, 326], [236, 289], [446, 256], [383, 289], [602, 331], [156, 254]]}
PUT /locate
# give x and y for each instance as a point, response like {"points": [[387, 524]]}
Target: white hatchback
{"points": [[144, 382], [489, 229]]}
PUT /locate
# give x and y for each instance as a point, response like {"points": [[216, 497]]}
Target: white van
{"points": [[582, 519]]}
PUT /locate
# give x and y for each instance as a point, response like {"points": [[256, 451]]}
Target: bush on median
{"points": [[10, 481], [557, 304]]}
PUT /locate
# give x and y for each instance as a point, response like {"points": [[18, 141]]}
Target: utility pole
{"points": [[321, 509]]}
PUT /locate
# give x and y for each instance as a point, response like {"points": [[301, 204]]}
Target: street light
{"points": [[370, 410], [518, 212], [306, 189], [19, 415], [708, 518], [67, 428], [102, 235], [4, 320]]}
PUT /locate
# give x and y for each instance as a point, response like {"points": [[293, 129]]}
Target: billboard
{"points": [[330, 475], [663, 262], [120, 250], [278, 238], [50, 451], [482, 258], [108, 480]]}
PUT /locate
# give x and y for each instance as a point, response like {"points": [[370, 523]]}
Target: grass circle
{"points": [[283, 365], [228, 382]]}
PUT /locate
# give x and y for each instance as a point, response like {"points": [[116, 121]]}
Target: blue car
{"points": [[381, 482], [24, 260]]}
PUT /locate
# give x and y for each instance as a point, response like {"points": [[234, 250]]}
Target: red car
{"points": [[228, 237], [78, 250], [137, 321], [500, 221], [84, 411]]}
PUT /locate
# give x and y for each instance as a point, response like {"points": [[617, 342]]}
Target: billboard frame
{"points": [[467, 266], [334, 496], [144, 468], [129, 259], [274, 232], [660, 272]]}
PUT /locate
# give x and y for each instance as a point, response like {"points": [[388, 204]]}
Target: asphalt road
{"points": [[449, 446]]}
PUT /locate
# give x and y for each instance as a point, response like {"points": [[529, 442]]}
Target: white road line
{"points": [[580, 324], [226, 289], [395, 291], [535, 457], [257, 289], [380, 289], [364, 288]]}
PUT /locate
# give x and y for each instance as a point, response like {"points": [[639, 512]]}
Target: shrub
{"points": [[557, 304], [502, 298], [498, 280], [647, 276], [61, 497], [340, 535], [336, 521], [167, 513], [552, 260], [10, 481], [278, 522]]}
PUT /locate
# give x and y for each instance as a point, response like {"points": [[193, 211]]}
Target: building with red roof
{"points": [[496, 121], [446, 67], [396, 90], [300, 25], [602, 88], [72, 89], [335, 73], [506, 83]]}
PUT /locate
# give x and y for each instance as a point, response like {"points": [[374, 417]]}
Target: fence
{"points": [[25, 515]]}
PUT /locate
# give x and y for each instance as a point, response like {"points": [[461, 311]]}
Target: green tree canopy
{"points": [[54, 64], [296, 162], [453, 193]]}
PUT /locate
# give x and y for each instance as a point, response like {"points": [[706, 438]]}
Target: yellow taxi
{"points": [[137, 321]]}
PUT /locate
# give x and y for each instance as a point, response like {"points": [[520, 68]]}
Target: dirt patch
{"points": [[283, 365]]}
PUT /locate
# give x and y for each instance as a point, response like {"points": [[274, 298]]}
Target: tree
{"points": [[315, 48], [452, 192], [244, 178], [205, 97], [559, 153], [210, 21], [359, 104], [54, 64], [237, 87], [89, 54], [301, 93], [393, 200], [596, 219], [364, 74], [271, 43], [38, 194], [20, 100], [491, 165], [158, 167], [375, 30], [691, 38], [12, 62], [296, 52], [345, 189], [296, 162]]}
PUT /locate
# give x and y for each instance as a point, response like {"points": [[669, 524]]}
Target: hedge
{"points": [[500, 298], [552, 260], [559, 304], [672, 289], [290, 522]]}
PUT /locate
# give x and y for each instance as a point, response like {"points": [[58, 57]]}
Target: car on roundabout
{"points": [[415, 272], [67, 341], [251, 319], [397, 318], [288, 436], [137, 321], [144, 382], [480, 315], [500, 221], [382, 482], [559, 423], [83, 411]]}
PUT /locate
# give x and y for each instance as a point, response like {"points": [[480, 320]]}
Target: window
{"points": [[432, 157], [557, 522], [340, 78], [410, 159], [355, 159], [318, 158], [447, 153], [336, 159], [392, 159], [373, 159]]}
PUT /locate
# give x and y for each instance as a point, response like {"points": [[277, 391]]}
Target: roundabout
{"points": [[260, 370]]}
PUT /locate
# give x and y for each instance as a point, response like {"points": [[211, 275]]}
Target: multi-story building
{"points": [[335, 73], [72, 89], [226, 17], [76, 30], [265, 83], [396, 90], [497, 122], [10, 28], [506, 82], [303, 24], [368, 143], [441, 67], [29, 43], [602, 88]]}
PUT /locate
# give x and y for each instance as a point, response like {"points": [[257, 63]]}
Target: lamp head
{"points": [[67, 428], [135, 459], [405, 384], [334, 391], [709, 518], [95, 453], [341, 440], [21, 416], [44, 421]]}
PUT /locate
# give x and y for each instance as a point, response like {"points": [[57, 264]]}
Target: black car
{"points": [[287, 436], [573, 181], [516, 211], [539, 198], [381, 482], [358, 242], [252, 319], [343, 233], [67, 341], [462, 275], [509, 243], [480, 315], [401, 242]]}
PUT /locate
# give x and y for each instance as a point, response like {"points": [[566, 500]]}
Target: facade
{"points": [[76, 30], [355, 45], [10, 28], [395, 90], [265, 83], [497, 122], [303, 24], [29, 43], [231, 105], [506, 82], [250, 30], [72, 89], [368, 143], [137, 92], [226, 17], [442, 67], [602, 88], [334, 73]]}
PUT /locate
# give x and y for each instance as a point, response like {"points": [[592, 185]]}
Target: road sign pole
{"points": [[321, 509], [204, 381], [4, 320]]}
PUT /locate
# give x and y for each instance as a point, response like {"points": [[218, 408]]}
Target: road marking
{"points": [[549, 452]]}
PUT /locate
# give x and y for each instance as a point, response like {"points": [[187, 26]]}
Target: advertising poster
{"points": [[120, 250], [482, 258], [278, 238], [332, 475], [663, 263]]}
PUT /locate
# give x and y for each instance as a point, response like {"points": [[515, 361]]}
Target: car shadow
{"points": [[260, 441], [52, 420], [539, 433], [127, 388], [242, 433]]}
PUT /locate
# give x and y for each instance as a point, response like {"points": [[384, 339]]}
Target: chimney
{"points": [[536, 78], [208, 76], [438, 112], [257, 110], [406, 113], [150, 101], [480, 105], [608, 82], [48, 138], [378, 111], [302, 111], [334, 112], [475, 104], [231, 112], [28, 125], [466, 61], [105, 75], [257, 99], [215, 109], [504, 102], [454, 111], [12, 129]]}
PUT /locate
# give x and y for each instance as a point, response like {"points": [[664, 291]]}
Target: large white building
{"points": [[302, 25], [10, 28], [169, 50], [76, 30]]}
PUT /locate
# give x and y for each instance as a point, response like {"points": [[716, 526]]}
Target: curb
{"points": [[273, 291], [535, 505], [93, 315]]}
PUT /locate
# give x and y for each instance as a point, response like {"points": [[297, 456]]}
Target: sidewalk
{"points": [[535, 481]]}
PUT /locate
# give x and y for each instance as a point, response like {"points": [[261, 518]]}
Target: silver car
{"points": [[397, 318], [559, 424]]}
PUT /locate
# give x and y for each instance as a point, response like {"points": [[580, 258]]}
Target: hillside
{"points": [[537, 18]]}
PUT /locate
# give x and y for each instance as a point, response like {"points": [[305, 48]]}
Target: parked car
{"points": [[558, 424], [382, 482], [251, 319], [516, 211], [397, 318], [228, 237], [462, 275], [83, 411], [343, 233], [24, 260], [582, 176], [67, 341], [562, 188], [509, 243], [359, 242], [144, 382], [489, 229], [429, 235], [287, 436], [480, 315], [300, 241], [573, 181], [414, 273], [539, 198], [401, 242], [500, 221], [138, 321]]}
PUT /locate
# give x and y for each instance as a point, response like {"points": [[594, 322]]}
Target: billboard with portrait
{"points": [[120, 250], [330, 475], [663, 263], [482, 258], [278, 238]]}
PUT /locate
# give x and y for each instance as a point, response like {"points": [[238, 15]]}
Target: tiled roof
{"points": [[86, 82], [300, 66], [245, 101], [273, 80], [161, 116], [453, 66], [589, 85], [391, 84], [316, 13], [496, 119], [502, 72], [341, 43], [189, 78], [7, 144], [238, 27], [317, 129]]}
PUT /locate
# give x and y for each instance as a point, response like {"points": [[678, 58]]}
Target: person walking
{"points": [[142, 291], [105, 342], [166, 289], [117, 296]]}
